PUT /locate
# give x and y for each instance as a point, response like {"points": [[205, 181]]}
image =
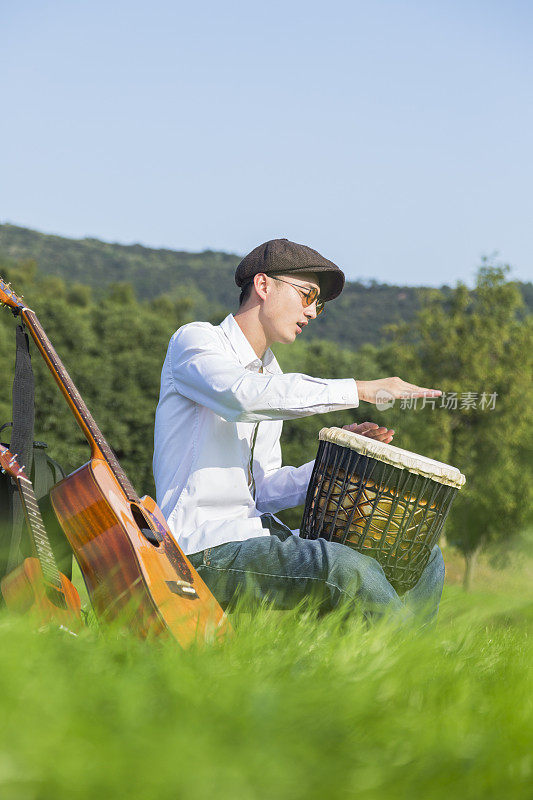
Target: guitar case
{"points": [[44, 472]]}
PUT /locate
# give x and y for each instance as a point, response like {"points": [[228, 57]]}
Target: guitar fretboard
{"points": [[38, 532]]}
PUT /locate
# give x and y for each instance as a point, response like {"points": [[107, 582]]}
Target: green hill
{"points": [[206, 278]]}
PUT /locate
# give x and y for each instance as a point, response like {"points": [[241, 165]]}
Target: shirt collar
{"points": [[242, 347]]}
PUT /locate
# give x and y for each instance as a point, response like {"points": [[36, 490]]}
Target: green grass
{"points": [[292, 707]]}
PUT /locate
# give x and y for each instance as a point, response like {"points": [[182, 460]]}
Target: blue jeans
{"points": [[285, 569]]}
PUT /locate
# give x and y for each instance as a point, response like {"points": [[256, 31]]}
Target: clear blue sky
{"points": [[394, 137]]}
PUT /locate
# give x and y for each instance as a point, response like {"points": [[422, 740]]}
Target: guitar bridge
{"points": [[183, 588]]}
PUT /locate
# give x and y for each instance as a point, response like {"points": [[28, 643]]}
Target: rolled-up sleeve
{"points": [[204, 374]]}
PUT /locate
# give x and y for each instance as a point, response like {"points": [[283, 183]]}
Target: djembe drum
{"points": [[383, 501]]}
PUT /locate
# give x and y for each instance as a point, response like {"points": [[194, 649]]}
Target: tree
{"points": [[478, 348], [113, 349]]}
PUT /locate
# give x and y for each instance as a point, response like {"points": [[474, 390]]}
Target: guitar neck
{"points": [[93, 434], [38, 533]]}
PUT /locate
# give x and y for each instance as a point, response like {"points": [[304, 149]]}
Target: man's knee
{"points": [[354, 575]]}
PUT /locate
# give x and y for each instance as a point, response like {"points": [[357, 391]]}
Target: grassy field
{"points": [[292, 707]]}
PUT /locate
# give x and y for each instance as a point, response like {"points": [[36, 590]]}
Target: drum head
{"points": [[395, 456]]}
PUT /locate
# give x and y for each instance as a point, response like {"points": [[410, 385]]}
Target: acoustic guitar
{"points": [[135, 573], [37, 586]]}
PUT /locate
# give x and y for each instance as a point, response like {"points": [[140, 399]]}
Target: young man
{"points": [[217, 455]]}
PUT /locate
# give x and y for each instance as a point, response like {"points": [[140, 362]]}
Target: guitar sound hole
{"points": [[56, 597], [150, 535]]}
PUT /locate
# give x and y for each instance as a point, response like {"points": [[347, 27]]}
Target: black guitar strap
{"points": [[21, 440]]}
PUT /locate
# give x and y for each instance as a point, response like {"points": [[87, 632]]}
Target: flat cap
{"points": [[282, 256]]}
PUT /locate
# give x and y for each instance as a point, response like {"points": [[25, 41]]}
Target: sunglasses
{"points": [[308, 295]]}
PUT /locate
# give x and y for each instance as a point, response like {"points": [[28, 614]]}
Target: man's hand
{"points": [[394, 388], [371, 430]]}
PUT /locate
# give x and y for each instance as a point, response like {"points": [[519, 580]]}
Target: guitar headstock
{"points": [[9, 463], [8, 296]]}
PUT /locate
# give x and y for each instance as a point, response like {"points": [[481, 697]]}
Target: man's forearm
{"points": [[394, 388]]}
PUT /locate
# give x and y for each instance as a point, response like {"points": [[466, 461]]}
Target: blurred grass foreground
{"points": [[294, 706]]}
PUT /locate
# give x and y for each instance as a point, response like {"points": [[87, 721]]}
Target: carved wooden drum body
{"points": [[383, 501]]}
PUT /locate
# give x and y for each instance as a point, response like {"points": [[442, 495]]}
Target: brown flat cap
{"points": [[281, 256]]}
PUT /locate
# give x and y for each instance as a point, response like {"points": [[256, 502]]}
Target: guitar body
{"points": [[25, 590], [148, 586]]}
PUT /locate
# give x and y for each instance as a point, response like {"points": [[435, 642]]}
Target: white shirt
{"points": [[212, 397]]}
